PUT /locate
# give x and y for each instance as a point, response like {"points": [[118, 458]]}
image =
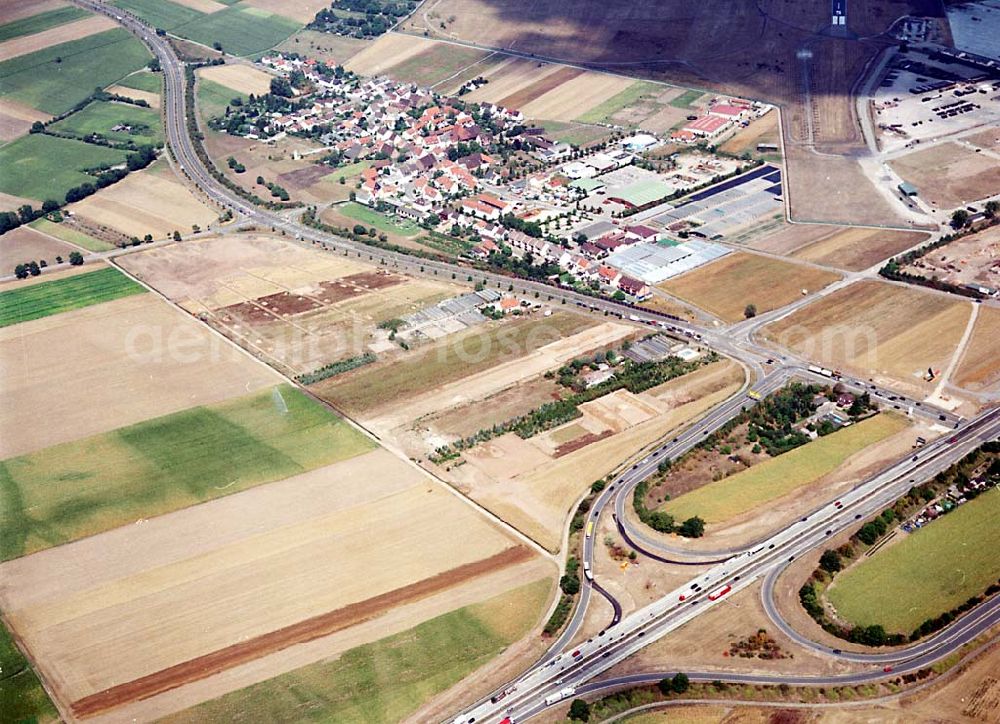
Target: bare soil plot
{"points": [[533, 491], [973, 259], [16, 119], [576, 96], [331, 49], [54, 36], [24, 244], [389, 50], [853, 249], [302, 11], [888, 332], [9, 202], [990, 138], [540, 87], [235, 578], [241, 78], [980, 365], [949, 175], [726, 286], [130, 359], [13, 10], [145, 203], [509, 77]]}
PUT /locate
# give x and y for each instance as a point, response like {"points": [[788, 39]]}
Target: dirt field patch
{"points": [[950, 175], [761, 130], [241, 78], [16, 119], [23, 244], [16, 9], [886, 331], [302, 11], [54, 36], [844, 248], [540, 87], [194, 582], [146, 203], [153, 99], [331, 49], [577, 95], [725, 287], [104, 358], [980, 365]]}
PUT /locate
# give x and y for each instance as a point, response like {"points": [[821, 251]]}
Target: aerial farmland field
{"points": [[45, 167], [41, 300], [101, 117], [237, 583]]}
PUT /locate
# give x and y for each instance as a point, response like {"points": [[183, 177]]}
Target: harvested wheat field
{"points": [[510, 77], [203, 6], [153, 99], [889, 332], [950, 175], [726, 286], [389, 50], [241, 78], [146, 203], [129, 359], [980, 365], [576, 96], [146, 608], [852, 249], [302, 11], [12, 10], [524, 483], [24, 44]]}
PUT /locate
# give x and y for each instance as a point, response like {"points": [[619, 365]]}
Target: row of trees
{"points": [[34, 268]]}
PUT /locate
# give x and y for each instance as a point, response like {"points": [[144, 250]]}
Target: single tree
{"points": [[830, 561], [992, 207], [680, 683], [75, 258], [750, 311], [579, 710], [693, 528], [959, 218]]}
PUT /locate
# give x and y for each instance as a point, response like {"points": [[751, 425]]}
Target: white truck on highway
{"points": [[563, 694]]}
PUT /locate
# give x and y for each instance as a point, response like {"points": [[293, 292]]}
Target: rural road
{"points": [[534, 690]]}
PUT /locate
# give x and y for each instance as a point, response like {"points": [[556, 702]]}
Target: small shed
{"points": [[907, 189]]}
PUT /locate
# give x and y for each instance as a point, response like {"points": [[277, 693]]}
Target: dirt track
{"points": [[307, 630]]}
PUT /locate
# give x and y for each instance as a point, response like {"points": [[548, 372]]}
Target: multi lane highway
{"points": [[561, 671]]}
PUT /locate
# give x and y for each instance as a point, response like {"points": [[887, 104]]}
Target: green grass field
{"points": [[57, 78], [80, 488], [348, 172], [370, 217], [144, 80], [724, 499], [22, 698], [160, 13], [386, 680], [454, 358], [101, 117], [45, 167], [42, 21], [685, 99], [66, 233], [633, 94], [48, 298], [240, 30], [214, 97], [927, 572]]}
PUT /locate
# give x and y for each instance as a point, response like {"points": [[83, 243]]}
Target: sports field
{"points": [[58, 77], [726, 286], [45, 167], [926, 573], [721, 500], [41, 21], [241, 30], [61, 295], [102, 116], [22, 698], [389, 679], [67, 233], [80, 488]]}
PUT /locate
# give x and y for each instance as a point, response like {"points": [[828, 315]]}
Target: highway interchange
{"points": [[564, 671]]}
